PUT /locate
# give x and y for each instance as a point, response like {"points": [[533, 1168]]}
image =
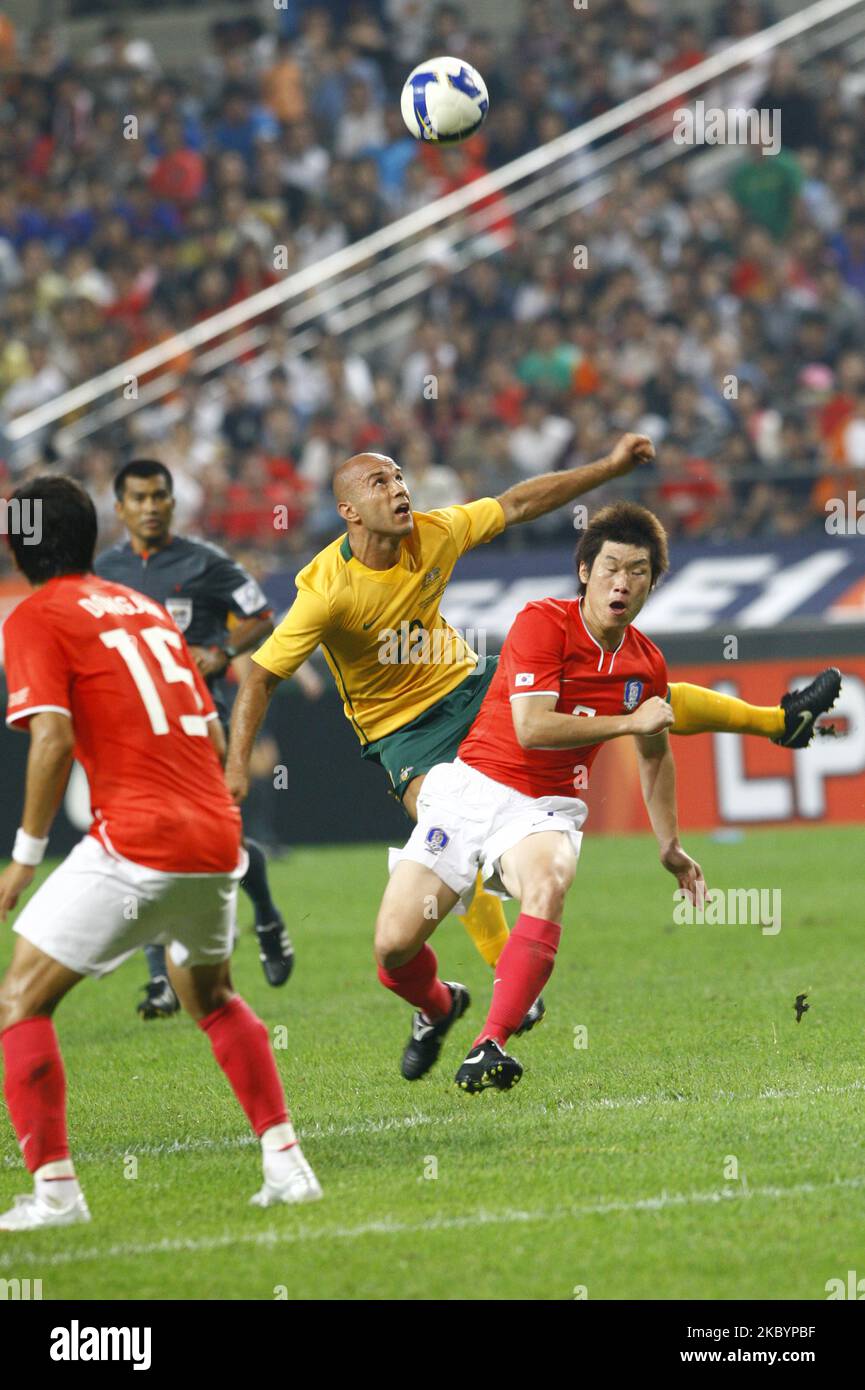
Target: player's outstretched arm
{"points": [[537, 496], [52, 740], [247, 716], [658, 785]]}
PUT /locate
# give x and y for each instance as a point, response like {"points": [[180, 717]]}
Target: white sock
{"points": [[278, 1137], [56, 1182], [280, 1153]]}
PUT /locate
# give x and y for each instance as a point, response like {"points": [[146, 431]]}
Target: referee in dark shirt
{"points": [[200, 586]]}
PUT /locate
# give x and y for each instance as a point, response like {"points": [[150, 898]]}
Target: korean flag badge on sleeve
{"points": [[633, 694]]}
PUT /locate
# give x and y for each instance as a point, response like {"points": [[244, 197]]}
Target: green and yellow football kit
{"points": [[409, 683]]}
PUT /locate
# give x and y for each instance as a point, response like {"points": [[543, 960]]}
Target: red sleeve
{"points": [[661, 680], [534, 653], [37, 670]]}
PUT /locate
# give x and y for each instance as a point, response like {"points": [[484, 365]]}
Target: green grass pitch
{"points": [[607, 1169]]}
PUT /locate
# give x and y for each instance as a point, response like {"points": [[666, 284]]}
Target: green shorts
{"points": [[435, 735]]}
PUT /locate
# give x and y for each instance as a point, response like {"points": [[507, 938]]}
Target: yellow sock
{"points": [[701, 711], [486, 924]]}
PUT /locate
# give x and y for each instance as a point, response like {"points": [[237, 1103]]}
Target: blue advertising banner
{"points": [[739, 584]]}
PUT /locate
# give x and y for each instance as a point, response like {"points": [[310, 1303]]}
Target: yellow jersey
{"points": [[391, 652]]}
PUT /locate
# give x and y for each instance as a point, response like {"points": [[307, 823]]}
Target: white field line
{"points": [[274, 1237], [420, 1120]]}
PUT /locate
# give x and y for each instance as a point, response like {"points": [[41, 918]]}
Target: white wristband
{"points": [[28, 850]]}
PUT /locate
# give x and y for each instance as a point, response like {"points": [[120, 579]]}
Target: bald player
{"points": [[410, 684], [367, 595]]}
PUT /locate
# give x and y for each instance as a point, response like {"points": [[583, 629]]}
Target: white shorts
{"points": [[96, 910], [467, 821]]}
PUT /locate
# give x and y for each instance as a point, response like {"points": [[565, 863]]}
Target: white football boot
{"points": [[288, 1178], [31, 1212]]}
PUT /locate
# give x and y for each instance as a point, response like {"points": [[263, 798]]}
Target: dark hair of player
{"points": [[141, 468], [626, 523], [67, 528]]}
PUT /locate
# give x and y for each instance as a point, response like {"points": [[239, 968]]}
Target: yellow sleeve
{"points": [[473, 523], [297, 636]]}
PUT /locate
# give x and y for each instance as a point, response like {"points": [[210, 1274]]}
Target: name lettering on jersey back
{"points": [[99, 605]]}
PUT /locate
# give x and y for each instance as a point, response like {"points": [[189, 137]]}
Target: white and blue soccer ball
{"points": [[444, 100]]}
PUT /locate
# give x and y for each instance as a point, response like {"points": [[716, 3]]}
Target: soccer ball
{"points": [[444, 100]]}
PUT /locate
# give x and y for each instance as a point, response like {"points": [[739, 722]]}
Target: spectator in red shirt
{"points": [[460, 165], [839, 404], [508, 393], [251, 275], [131, 295], [691, 497], [253, 500], [179, 175], [279, 447]]}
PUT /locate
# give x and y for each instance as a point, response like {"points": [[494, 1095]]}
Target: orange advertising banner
{"points": [[740, 780]]}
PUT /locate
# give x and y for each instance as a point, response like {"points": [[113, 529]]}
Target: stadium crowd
{"points": [[726, 322]]}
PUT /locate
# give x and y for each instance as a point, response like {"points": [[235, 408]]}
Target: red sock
{"points": [[241, 1047], [522, 970], [417, 982], [35, 1088]]}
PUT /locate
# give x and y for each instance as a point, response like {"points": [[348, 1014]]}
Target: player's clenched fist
{"points": [[237, 781], [652, 717], [631, 450]]}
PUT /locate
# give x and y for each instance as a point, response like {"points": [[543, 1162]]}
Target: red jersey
{"points": [[115, 662], [550, 651]]}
